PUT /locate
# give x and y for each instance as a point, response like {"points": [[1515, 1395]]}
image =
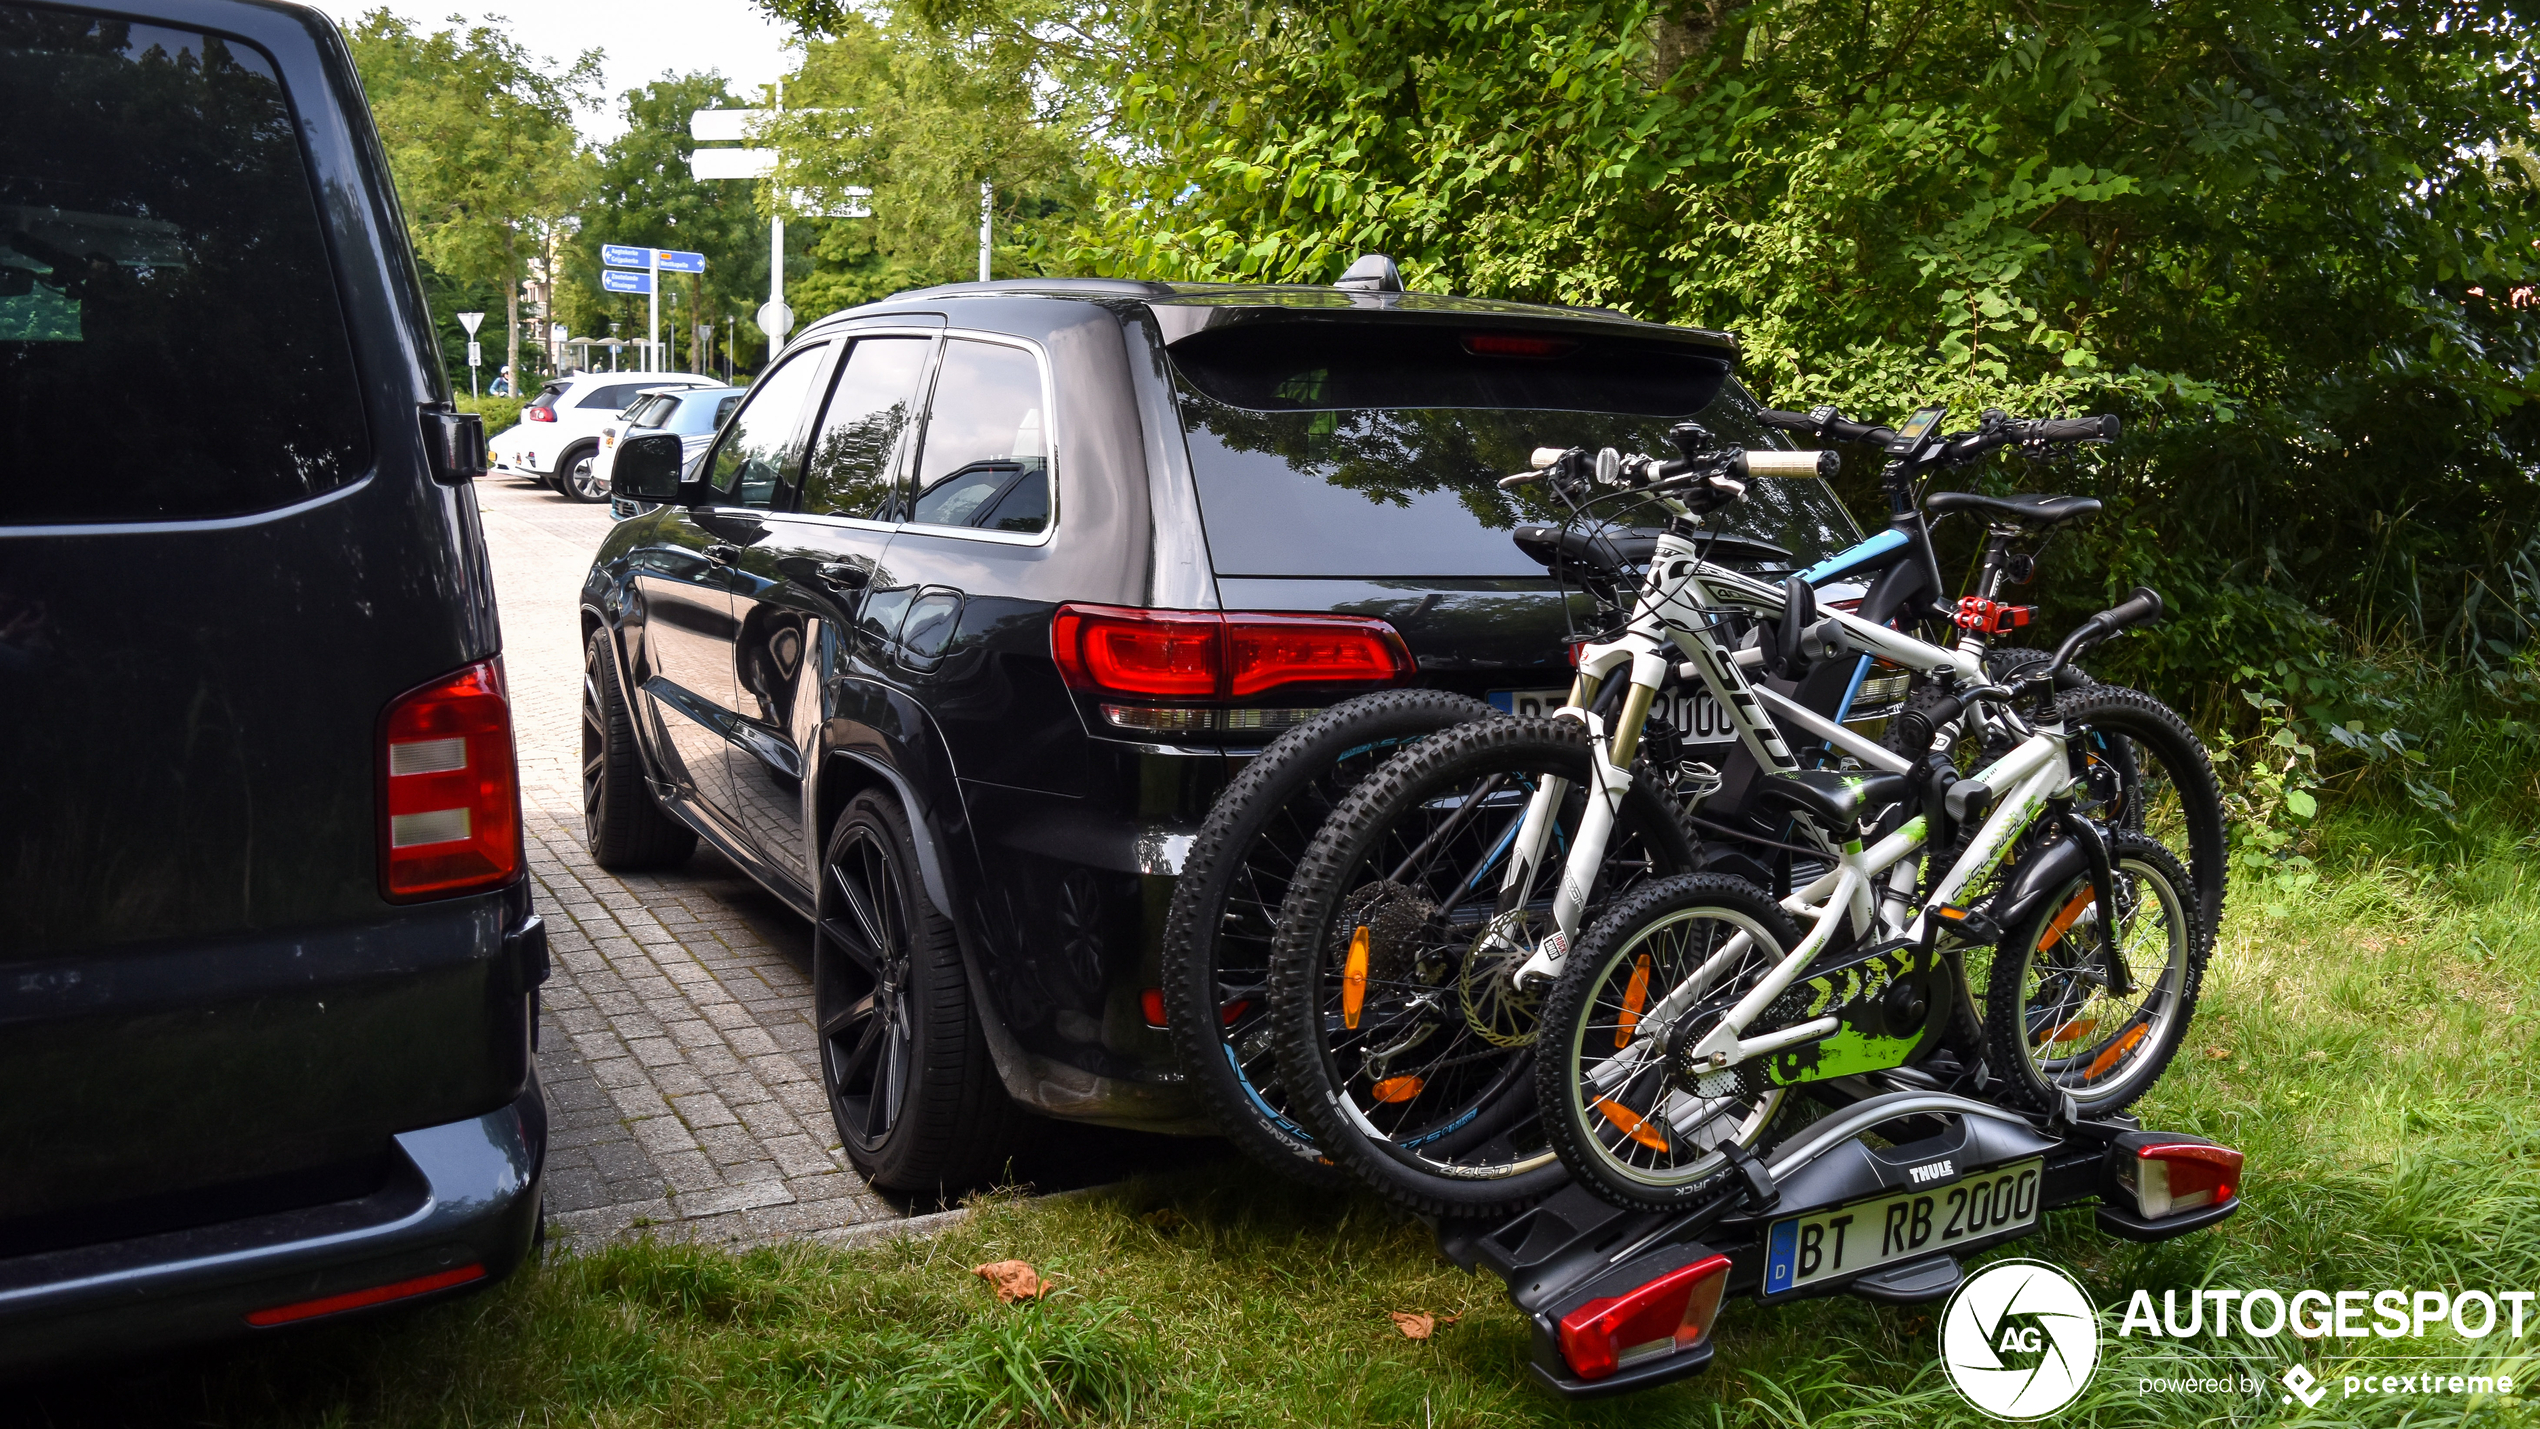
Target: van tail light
{"points": [[1673, 1312], [449, 806], [2167, 1177], [1206, 655], [539, 414]]}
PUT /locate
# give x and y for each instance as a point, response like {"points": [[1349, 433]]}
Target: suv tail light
{"points": [[2166, 1178], [449, 805], [538, 414], [1673, 1312], [1216, 657]]}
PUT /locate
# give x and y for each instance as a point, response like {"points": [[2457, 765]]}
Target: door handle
{"points": [[843, 577], [831, 575], [722, 552]]}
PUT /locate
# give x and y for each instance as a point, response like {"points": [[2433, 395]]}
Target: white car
{"points": [[695, 413], [559, 431]]}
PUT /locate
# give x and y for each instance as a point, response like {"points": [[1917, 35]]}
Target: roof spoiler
{"points": [[1372, 273]]}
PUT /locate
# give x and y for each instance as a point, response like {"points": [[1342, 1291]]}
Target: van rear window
{"points": [[171, 344]]}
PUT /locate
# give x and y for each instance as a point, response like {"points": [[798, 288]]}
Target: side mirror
{"points": [[647, 468]]}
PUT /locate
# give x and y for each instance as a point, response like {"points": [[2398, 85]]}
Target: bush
{"points": [[501, 414]]}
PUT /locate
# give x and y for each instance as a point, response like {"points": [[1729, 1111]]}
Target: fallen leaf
{"points": [[1163, 1218], [2218, 1054], [1416, 1326], [1014, 1280]]}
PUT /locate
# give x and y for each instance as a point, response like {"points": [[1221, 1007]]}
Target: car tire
{"points": [[904, 1062], [576, 475], [622, 824]]}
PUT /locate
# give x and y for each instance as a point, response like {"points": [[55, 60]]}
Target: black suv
{"points": [[268, 964], [955, 633]]}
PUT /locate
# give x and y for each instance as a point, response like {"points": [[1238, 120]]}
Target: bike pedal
{"points": [[1970, 925]]}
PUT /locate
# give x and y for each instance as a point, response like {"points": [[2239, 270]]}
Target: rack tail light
{"points": [[1212, 656], [1673, 1312], [2168, 1177], [449, 806]]}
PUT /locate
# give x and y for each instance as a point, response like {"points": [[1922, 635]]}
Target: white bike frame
{"points": [[1678, 612]]}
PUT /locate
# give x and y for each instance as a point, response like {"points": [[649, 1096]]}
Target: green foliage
{"points": [[480, 139], [920, 117], [2271, 806], [501, 414], [643, 193]]}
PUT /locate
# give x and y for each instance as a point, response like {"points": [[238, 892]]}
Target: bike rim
{"points": [[1640, 1125], [2080, 1038]]}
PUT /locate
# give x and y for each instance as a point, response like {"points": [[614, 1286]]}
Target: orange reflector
{"points": [[2073, 910], [2117, 1050], [2073, 1031], [1354, 979], [1151, 1002], [1635, 997], [1399, 1089], [359, 1299], [1633, 1124]]}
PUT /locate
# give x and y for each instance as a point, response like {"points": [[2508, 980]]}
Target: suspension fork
{"points": [[1610, 777]]}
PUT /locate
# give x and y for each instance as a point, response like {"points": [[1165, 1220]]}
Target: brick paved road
{"points": [[677, 1045]]}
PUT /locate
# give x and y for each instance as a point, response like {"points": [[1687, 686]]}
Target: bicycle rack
{"points": [[1574, 1247]]}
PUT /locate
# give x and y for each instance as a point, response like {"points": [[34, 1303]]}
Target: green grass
{"points": [[2373, 1058]]}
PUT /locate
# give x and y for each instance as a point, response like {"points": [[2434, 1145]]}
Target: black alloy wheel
{"points": [[622, 824], [917, 1102], [578, 476]]}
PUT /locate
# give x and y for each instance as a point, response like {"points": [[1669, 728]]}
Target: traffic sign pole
{"points": [[475, 354], [652, 325]]}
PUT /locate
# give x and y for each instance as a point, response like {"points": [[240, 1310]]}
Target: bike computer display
{"points": [[1917, 428]]}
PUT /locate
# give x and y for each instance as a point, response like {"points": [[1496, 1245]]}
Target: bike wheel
{"points": [[1405, 1046], [2054, 1026], [1640, 989], [1223, 922], [2149, 775]]}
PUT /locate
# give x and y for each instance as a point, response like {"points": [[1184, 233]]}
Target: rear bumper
{"points": [[458, 1195]]}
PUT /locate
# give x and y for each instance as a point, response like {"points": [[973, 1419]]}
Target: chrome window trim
{"points": [[1049, 439]]}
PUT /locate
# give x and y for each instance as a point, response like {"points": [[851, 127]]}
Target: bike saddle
{"points": [[2026, 510], [1835, 799]]}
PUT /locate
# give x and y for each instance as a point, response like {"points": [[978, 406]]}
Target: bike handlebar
{"points": [[2137, 609], [1825, 422]]}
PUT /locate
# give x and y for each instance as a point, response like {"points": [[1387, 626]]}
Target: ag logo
{"points": [[2019, 1339]]}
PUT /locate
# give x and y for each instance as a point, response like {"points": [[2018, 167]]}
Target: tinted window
{"points": [[1324, 366], [548, 394], [985, 436], [723, 409], [854, 459], [170, 340], [616, 396], [1413, 491], [652, 411], [759, 455]]}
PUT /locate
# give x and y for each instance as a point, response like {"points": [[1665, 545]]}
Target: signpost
{"points": [[475, 354], [730, 125], [654, 262]]}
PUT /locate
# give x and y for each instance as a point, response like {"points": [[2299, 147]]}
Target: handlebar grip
{"points": [[1787, 421], [2102, 428], [1523, 478], [1755, 462], [1545, 456], [2139, 608]]}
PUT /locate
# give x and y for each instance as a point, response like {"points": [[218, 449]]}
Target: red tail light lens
{"points": [[2181, 1176], [449, 807], [1670, 1313], [1204, 655], [1509, 344], [539, 414]]}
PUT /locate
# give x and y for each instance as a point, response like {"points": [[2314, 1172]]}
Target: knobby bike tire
{"points": [[1486, 1105], [1223, 921]]}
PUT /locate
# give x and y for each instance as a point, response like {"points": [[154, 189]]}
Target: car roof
{"points": [[1182, 309], [664, 381]]}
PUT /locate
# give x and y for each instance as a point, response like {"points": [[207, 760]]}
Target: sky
{"points": [[639, 39]]}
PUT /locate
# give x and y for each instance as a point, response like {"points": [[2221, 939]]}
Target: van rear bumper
{"points": [[458, 1195]]}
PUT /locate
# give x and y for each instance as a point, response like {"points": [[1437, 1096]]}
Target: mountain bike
{"points": [[1369, 948]]}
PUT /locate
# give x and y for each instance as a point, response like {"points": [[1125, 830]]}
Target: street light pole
{"points": [[987, 217], [652, 325]]}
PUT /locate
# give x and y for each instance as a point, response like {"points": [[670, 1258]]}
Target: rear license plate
{"points": [[1841, 1242], [1694, 713]]}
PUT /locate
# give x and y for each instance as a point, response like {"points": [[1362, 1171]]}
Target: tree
{"points": [[480, 138], [643, 193], [2280, 237], [921, 117]]}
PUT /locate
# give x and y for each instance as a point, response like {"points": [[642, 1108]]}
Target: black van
{"points": [[267, 964]]}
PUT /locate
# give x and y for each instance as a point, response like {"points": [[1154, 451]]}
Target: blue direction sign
{"points": [[620, 255], [617, 282]]}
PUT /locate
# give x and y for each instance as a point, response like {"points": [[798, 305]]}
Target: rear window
{"points": [[171, 345], [616, 396], [652, 411], [1296, 479]]}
